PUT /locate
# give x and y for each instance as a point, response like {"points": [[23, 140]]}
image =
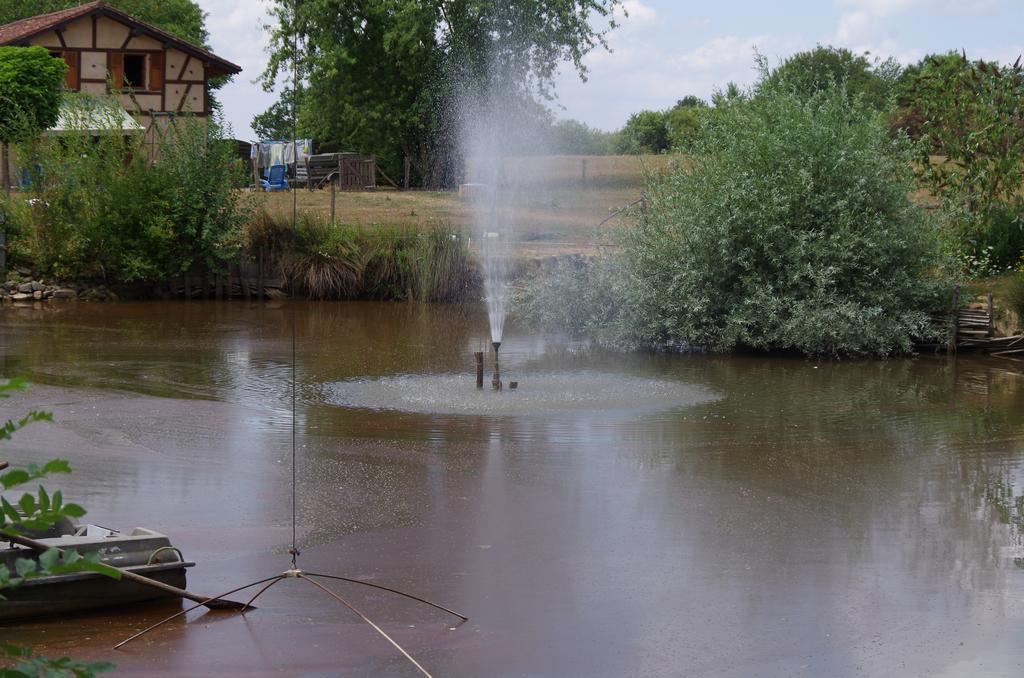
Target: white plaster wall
{"points": [[110, 34], [79, 33], [48, 39], [94, 65]]}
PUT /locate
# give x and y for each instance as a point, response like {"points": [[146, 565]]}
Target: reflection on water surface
{"points": [[776, 517]]}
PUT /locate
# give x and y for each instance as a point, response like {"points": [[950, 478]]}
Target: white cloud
{"points": [[724, 52], [883, 8], [853, 26], [236, 34], [645, 72], [638, 12], [864, 19]]}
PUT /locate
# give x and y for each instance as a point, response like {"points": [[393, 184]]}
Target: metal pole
{"points": [[479, 369], [496, 381], [334, 198]]}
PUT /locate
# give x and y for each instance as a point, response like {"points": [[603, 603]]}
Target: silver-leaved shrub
{"points": [[788, 228]]}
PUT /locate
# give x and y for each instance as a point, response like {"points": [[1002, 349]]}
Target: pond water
{"points": [[616, 515]]}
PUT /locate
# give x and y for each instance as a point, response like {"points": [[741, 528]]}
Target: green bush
{"points": [[101, 209], [790, 230], [1015, 296], [1002, 235], [31, 82], [577, 296]]}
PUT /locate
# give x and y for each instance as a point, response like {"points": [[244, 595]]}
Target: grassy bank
{"points": [[322, 260]]}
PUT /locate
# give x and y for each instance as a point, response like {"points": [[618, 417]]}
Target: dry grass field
{"points": [[555, 208], [558, 206]]}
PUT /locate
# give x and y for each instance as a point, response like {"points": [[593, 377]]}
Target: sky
{"points": [[666, 49]]}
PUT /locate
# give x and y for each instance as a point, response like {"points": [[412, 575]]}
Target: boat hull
{"points": [[87, 591], [143, 552]]}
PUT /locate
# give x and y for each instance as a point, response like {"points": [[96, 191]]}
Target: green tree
{"points": [[691, 101], [31, 85], [684, 120], [972, 116], [969, 116], [572, 137], [806, 73], [386, 76], [644, 132], [276, 121]]}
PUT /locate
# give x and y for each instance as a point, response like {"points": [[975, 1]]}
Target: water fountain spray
{"points": [[503, 141]]}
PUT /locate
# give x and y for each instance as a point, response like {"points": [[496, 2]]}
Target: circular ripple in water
{"points": [[537, 394]]}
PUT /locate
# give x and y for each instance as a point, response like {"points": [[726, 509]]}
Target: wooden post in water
{"points": [[242, 277], [479, 369], [3, 250], [954, 319]]}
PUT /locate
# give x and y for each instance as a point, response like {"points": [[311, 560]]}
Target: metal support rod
{"points": [[390, 590], [334, 199], [479, 355], [368, 621], [248, 603], [195, 607]]}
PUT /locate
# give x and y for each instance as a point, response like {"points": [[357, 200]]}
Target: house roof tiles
{"points": [[22, 30]]}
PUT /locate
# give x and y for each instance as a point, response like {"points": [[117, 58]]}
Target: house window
{"points": [[135, 71]]}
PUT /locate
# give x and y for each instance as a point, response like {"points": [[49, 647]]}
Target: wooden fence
{"points": [[345, 171], [251, 277]]}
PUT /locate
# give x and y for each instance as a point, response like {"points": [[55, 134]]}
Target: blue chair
{"points": [[275, 180]]}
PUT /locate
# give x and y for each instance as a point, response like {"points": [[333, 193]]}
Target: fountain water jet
{"points": [[503, 136]]}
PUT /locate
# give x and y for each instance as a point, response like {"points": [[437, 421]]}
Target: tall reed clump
{"points": [[96, 204], [790, 230], [341, 261]]}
